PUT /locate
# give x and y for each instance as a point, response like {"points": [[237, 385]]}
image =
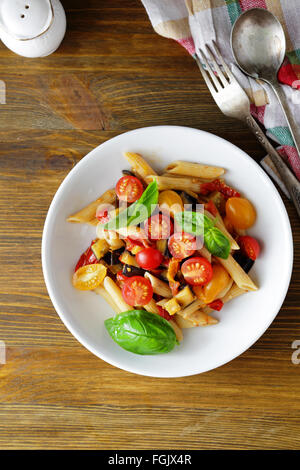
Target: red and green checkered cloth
{"points": [[192, 23]]}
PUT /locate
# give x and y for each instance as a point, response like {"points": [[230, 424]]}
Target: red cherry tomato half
{"points": [[149, 258], [249, 246], [159, 227], [86, 258], [216, 305], [197, 271], [182, 245], [129, 188], [137, 290]]}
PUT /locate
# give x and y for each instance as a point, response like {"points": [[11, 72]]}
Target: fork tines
{"points": [[217, 76]]}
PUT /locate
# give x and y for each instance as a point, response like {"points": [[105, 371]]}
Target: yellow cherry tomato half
{"points": [[89, 277], [240, 212], [214, 287]]}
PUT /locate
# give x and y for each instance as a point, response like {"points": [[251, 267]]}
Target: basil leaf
{"points": [[137, 212], [193, 222], [143, 207], [141, 332], [217, 243]]}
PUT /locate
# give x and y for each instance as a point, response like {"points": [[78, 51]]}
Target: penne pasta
{"points": [[190, 309], [238, 274], [205, 253], [183, 183], [195, 169], [199, 318], [159, 287], [190, 178], [115, 292], [235, 291], [151, 307], [138, 165], [177, 329], [183, 323], [87, 215], [109, 299]]}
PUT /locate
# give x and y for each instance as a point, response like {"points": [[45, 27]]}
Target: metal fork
{"points": [[234, 102]]}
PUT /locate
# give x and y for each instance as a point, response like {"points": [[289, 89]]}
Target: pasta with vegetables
{"points": [[170, 250]]}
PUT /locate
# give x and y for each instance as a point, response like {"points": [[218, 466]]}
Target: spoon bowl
{"points": [[258, 43]]}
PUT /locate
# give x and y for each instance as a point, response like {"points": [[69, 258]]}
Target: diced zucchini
{"points": [[185, 296], [127, 258], [100, 248], [172, 306]]}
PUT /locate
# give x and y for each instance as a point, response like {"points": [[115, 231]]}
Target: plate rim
{"points": [[51, 213]]}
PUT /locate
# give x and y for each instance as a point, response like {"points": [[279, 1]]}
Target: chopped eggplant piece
{"points": [[112, 257], [100, 248], [219, 200], [189, 200], [245, 262], [130, 271], [115, 268], [127, 172]]}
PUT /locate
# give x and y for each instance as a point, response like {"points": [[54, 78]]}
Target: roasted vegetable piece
{"points": [[245, 262], [127, 258], [171, 273], [172, 306], [100, 248], [130, 271], [113, 257]]}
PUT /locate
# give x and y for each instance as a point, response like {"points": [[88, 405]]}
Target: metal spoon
{"points": [[258, 46]]}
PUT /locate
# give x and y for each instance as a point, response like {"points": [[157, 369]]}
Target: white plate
{"points": [[242, 321]]}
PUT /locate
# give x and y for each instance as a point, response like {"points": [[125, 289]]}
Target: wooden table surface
{"points": [[113, 74]]}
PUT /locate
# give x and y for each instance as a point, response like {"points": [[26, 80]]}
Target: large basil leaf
{"points": [[193, 222], [141, 332], [217, 243], [138, 211]]}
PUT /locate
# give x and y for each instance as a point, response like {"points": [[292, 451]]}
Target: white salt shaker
{"points": [[32, 28]]}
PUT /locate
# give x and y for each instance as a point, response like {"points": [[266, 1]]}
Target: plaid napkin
{"points": [[192, 23]]}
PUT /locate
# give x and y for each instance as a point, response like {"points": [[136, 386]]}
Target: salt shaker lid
{"points": [[25, 19]]}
